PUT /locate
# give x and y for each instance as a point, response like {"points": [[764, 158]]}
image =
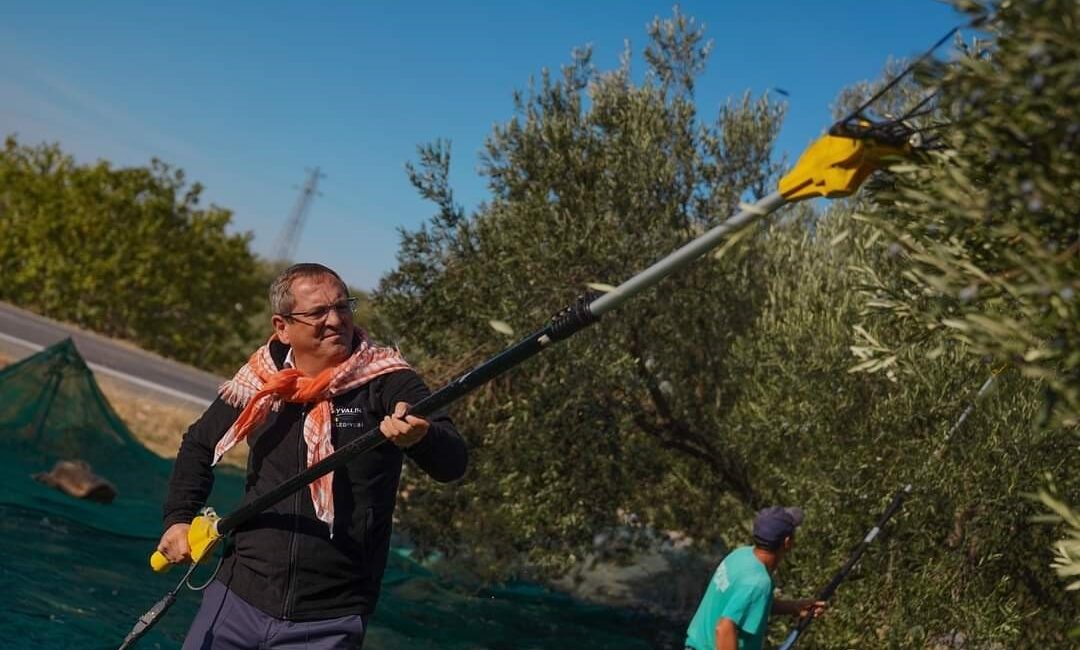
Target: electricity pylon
{"points": [[285, 247]]}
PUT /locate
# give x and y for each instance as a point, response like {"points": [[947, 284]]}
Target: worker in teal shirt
{"points": [[734, 612]]}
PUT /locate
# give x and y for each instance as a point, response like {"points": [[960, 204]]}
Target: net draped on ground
{"points": [[75, 574]]}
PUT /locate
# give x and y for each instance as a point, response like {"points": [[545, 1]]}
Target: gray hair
{"points": [[281, 298]]}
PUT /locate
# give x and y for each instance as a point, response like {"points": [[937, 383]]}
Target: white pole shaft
{"points": [[683, 256]]}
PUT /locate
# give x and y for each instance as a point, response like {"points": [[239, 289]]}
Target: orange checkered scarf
{"points": [[259, 387]]}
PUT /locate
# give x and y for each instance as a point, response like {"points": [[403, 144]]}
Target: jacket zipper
{"points": [[288, 606]]}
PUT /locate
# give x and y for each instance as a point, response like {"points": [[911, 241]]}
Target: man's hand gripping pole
{"points": [[202, 536]]}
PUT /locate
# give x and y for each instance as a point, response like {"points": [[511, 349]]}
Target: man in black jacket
{"points": [[309, 568]]}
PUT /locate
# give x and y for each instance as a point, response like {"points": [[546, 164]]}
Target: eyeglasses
{"points": [[318, 315]]}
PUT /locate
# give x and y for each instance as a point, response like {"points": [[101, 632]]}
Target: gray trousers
{"points": [[227, 622]]}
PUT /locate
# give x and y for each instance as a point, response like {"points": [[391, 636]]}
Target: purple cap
{"points": [[773, 524]]}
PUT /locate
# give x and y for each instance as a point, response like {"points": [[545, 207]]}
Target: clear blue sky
{"points": [[245, 96]]}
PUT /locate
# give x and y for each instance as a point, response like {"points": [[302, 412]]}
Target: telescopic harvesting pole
{"points": [[833, 166], [563, 325], [827, 593]]}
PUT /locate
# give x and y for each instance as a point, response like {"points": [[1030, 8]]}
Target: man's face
{"points": [[320, 330]]}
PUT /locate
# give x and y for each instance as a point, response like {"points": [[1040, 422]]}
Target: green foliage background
{"points": [[819, 359], [126, 252], [732, 384], [986, 228]]}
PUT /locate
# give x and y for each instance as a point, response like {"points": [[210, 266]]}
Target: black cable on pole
{"points": [[147, 620]]}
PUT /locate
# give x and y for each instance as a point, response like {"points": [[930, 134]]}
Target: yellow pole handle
{"points": [[201, 538], [159, 563]]}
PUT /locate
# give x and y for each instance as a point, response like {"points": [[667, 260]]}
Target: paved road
{"points": [[23, 333]]}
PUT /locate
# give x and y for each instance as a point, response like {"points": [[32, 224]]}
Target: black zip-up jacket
{"points": [[284, 561]]}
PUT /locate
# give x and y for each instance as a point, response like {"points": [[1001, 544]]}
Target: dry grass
{"points": [[158, 424]]}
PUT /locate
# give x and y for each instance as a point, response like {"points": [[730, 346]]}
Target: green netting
{"points": [[74, 573], [51, 409]]}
